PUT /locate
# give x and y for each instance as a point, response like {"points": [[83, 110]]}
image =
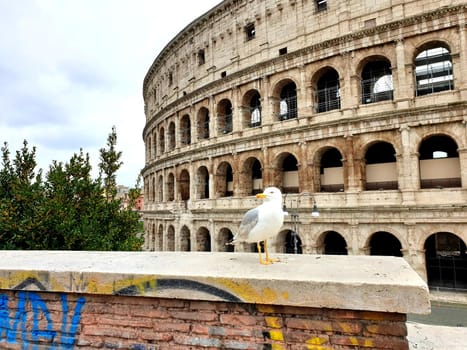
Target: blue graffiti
{"points": [[30, 332]]}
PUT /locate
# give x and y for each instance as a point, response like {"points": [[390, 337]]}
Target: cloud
{"points": [[70, 70]]}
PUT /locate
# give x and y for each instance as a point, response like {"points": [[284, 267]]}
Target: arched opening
{"points": [[203, 240], [148, 149], [433, 70], [224, 180], [386, 244], [332, 171], [153, 244], [185, 241], [225, 236], [290, 183], [170, 187], [202, 183], [172, 142], [160, 238], [381, 167], [288, 102], [446, 261], [161, 140], [160, 189], [185, 130], [203, 123], [251, 109], [171, 239], [224, 117], [377, 82], [293, 243], [439, 163], [184, 185], [335, 244], [328, 92]]}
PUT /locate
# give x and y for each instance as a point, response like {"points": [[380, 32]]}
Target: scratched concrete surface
{"points": [[431, 337], [373, 283]]}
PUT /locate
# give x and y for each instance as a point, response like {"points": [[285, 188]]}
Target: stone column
{"points": [[460, 76], [403, 77], [463, 166]]}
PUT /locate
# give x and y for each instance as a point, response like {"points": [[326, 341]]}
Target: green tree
{"points": [[68, 209]]}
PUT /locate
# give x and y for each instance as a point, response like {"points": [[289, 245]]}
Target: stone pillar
{"points": [[460, 73], [463, 165], [403, 77], [351, 177]]}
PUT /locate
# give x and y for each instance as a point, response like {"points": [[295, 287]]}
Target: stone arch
{"points": [[252, 109], [380, 166], [433, 68], [185, 239], [170, 187], [376, 81], [329, 170], [203, 240], [202, 182], [185, 130], [171, 136], [225, 235], [446, 261], [252, 177], [224, 180], [284, 94], [439, 162], [326, 89], [170, 238], [332, 243], [286, 177], [184, 185], [161, 136], [160, 238], [385, 244], [202, 123], [224, 116]]}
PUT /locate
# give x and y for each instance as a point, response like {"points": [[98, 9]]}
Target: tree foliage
{"points": [[67, 209]]}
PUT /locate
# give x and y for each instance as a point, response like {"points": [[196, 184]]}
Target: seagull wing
{"points": [[249, 221]]}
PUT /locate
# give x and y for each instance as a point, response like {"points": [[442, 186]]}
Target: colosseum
{"points": [[356, 110]]}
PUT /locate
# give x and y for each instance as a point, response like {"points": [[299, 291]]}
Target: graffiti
{"points": [[30, 323]]}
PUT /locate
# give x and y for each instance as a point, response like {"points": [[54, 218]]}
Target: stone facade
{"points": [[358, 107]]}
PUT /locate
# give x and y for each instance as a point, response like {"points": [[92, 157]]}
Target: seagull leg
{"points": [[268, 259], [261, 261]]}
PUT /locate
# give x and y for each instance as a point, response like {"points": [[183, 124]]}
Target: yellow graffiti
{"points": [[16, 278], [366, 343], [273, 322], [249, 294], [316, 341]]}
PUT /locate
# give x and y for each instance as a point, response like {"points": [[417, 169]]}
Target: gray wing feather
{"points": [[248, 222]]}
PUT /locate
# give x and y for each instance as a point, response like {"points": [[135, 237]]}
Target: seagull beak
{"points": [[260, 195]]}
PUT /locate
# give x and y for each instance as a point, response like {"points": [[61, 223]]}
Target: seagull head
{"points": [[271, 194]]}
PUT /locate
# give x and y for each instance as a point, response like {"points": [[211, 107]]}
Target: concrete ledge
{"points": [[385, 284]]}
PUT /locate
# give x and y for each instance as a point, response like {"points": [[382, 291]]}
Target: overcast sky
{"points": [[72, 69]]}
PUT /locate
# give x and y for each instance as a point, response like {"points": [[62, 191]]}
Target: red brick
{"points": [[194, 316], [303, 323], [387, 328], [233, 319], [368, 343]]}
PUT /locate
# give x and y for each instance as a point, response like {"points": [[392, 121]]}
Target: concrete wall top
{"points": [[386, 284]]}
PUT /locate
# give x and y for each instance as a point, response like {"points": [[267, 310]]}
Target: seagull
{"points": [[263, 222]]}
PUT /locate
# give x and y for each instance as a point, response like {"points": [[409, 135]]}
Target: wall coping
{"points": [[371, 283]]}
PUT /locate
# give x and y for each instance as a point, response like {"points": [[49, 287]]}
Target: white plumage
{"points": [[262, 222]]}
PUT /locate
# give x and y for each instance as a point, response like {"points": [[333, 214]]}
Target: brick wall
{"points": [[57, 320]]}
